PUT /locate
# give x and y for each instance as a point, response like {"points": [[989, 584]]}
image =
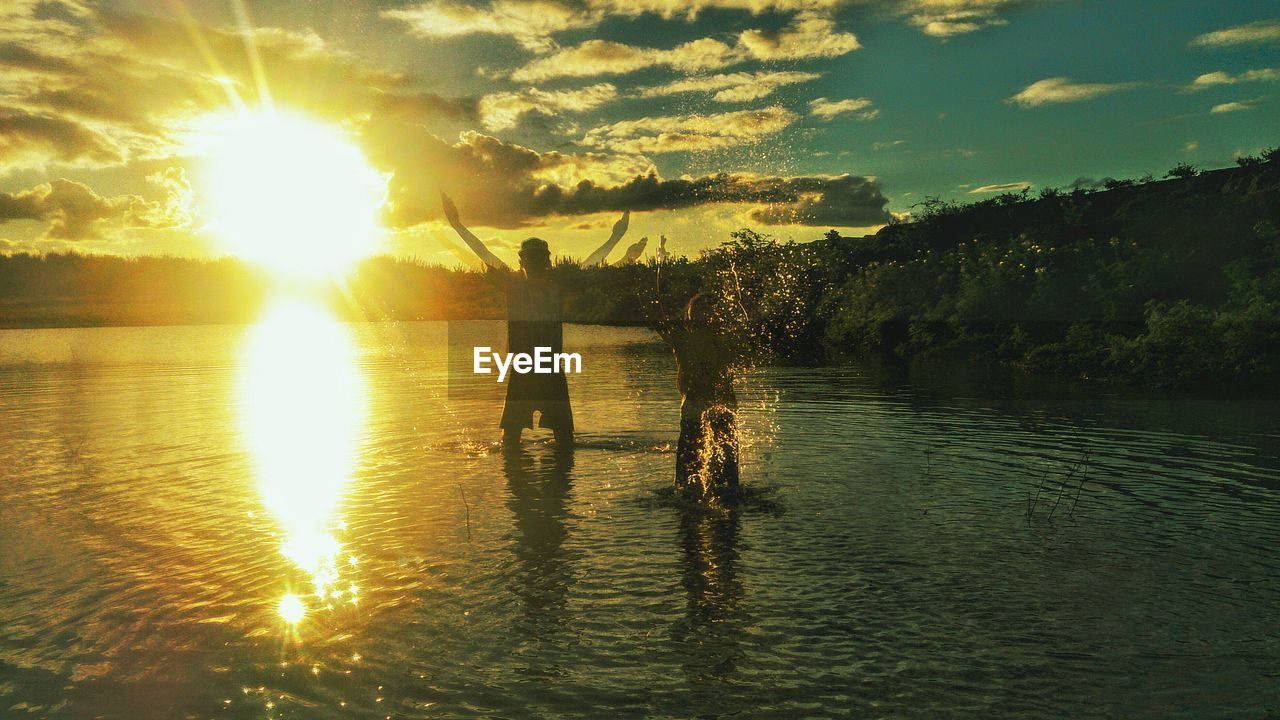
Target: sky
{"points": [[551, 117]]}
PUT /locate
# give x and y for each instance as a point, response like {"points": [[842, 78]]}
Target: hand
{"points": [[450, 210], [620, 227], [662, 241]]}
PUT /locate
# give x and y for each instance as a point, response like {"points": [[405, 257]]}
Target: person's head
{"points": [[535, 257], [701, 309]]}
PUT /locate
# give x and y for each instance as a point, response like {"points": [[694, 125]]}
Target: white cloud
{"points": [[1232, 107], [1001, 187], [500, 111], [947, 18], [605, 57], [808, 35], [1262, 31], [530, 22], [731, 87], [828, 109], [1064, 90], [689, 133], [1212, 79]]}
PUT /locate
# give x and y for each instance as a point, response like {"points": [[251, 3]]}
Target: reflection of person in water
{"points": [[713, 619], [538, 499], [534, 319], [706, 355]]}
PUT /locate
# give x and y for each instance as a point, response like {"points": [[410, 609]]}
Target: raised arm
{"points": [[486, 256], [633, 253], [602, 252]]}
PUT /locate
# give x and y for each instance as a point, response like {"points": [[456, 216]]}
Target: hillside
{"points": [[1160, 282]]}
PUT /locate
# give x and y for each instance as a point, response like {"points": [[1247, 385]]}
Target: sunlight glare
{"points": [[286, 192], [292, 609], [302, 408]]}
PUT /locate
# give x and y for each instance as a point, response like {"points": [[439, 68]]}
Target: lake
{"points": [[303, 519]]}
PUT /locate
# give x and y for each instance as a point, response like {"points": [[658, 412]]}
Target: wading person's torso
{"points": [[704, 371], [534, 316]]}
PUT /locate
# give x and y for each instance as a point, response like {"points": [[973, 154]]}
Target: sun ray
{"points": [[247, 34]]}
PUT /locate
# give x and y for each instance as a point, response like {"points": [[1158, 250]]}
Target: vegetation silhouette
{"points": [[1171, 283]]}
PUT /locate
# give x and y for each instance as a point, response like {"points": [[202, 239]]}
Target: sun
{"points": [[287, 192]]}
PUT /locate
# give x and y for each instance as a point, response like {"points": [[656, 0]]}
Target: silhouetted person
{"points": [[706, 355], [535, 310]]}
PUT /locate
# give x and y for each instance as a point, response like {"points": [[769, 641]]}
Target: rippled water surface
{"points": [[944, 544]]}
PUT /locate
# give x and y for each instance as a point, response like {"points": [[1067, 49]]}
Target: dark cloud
{"points": [[24, 134], [501, 184], [427, 107], [843, 200], [59, 11], [75, 212], [22, 57]]}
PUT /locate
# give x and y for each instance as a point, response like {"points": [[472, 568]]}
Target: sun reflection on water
{"points": [[302, 407]]}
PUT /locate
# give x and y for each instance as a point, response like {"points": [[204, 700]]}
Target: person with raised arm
{"points": [[534, 319], [596, 259], [633, 252]]}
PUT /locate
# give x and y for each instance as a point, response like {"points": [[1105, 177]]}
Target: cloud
{"points": [[1262, 31], [1001, 187], [1064, 90], [808, 35], [109, 88], [31, 140], [500, 111], [530, 22], [828, 109], [948, 18], [811, 32], [1212, 79], [1233, 106], [605, 57], [844, 200], [731, 87], [427, 107], [105, 88], [505, 185], [689, 133], [75, 212], [840, 201]]}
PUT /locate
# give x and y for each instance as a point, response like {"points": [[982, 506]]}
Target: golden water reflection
{"points": [[302, 404]]}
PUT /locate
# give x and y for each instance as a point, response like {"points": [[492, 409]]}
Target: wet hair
{"points": [[701, 307], [535, 253]]}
